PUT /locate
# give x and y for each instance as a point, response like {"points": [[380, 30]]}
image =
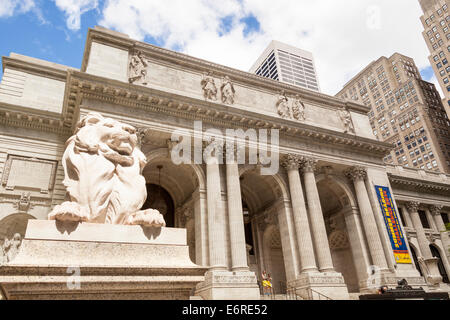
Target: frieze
{"points": [[198, 111]]}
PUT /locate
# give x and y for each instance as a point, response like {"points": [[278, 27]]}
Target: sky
{"points": [[343, 35]]}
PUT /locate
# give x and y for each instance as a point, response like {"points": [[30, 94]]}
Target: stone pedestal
{"points": [[320, 286], [100, 261], [433, 277], [227, 285]]}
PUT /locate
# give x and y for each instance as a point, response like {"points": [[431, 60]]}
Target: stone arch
{"points": [[414, 251], [164, 153], [338, 201], [183, 182], [343, 184], [14, 223]]}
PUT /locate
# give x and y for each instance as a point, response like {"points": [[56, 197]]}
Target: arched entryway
{"points": [[12, 224], [158, 198], [175, 191], [262, 196], [337, 204]]}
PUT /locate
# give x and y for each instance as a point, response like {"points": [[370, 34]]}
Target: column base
{"points": [[320, 286], [229, 285]]}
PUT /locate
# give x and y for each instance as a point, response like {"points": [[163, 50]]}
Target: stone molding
{"points": [[113, 91], [419, 185]]}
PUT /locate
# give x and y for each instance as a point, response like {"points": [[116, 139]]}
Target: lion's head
{"points": [[96, 134]]}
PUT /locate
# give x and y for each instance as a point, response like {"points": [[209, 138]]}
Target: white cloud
{"points": [[344, 36], [10, 7], [73, 10]]}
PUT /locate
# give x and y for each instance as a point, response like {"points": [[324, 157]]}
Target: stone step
{"points": [[195, 298]]}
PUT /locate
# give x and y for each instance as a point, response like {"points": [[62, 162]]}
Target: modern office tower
{"points": [[287, 64], [406, 111], [436, 23]]}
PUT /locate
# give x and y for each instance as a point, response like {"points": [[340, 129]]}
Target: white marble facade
{"points": [[315, 225]]}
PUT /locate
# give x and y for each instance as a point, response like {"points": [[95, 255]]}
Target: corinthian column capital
{"points": [[412, 206], [436, 209], [291, 161], [356, 173], [308, 164]]}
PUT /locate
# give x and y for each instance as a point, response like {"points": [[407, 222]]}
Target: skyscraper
{"points": [[406, 111], [287, 64], [436, 23]]}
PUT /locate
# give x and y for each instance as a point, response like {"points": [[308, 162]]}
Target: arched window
{"points": [[416, 262]]}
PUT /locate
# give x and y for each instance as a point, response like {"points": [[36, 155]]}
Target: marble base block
{"points": [[228, 285], [320, 286], [99, 261]]}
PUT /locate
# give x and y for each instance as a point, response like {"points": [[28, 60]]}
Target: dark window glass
{"points": [[423, 219]]}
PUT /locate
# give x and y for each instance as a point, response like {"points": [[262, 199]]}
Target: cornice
{"points": [[15, 116], [81, 85], [200, 65], [34, 68], [419, 185]]}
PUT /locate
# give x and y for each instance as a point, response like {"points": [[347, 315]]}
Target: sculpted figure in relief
{"points": [[209, 86], [102, 167], [346, 119], [137, 72], [227, 90], [298, 109], [10, 248], [283, 105]]}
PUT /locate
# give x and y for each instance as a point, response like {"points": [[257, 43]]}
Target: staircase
{"points": [[281, 297]]}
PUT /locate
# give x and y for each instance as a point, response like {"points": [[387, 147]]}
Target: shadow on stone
{"points": [[66, 226], [151, 232]]}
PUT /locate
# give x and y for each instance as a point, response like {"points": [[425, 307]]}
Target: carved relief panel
{"points": [[29, 173]]}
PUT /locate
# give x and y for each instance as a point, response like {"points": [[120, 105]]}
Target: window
{"points": [[423, 219]]}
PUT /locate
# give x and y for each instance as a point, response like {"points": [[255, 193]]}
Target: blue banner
{"points": [[398, 241]]}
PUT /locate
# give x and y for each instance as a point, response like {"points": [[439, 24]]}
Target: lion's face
{"points": [[119, 137], [95, 130]]}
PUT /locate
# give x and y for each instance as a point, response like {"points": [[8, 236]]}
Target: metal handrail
{"points": [[320, 295]]}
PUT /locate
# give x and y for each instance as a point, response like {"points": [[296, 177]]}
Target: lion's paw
{"points": [[146, 218], [69, 211]]}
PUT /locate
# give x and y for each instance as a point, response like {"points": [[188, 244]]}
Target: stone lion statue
{"points": [[102, 167]]}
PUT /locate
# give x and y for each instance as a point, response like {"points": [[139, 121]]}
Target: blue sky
{"points": [[232, 32]]}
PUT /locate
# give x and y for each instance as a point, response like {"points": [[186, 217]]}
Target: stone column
{"points": [[358, 174], [408, 222], [319, 231], [413, 206], [427, 261], [305, 245], [430, 220], [436, 213], [216, 237], [235, 218]]}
